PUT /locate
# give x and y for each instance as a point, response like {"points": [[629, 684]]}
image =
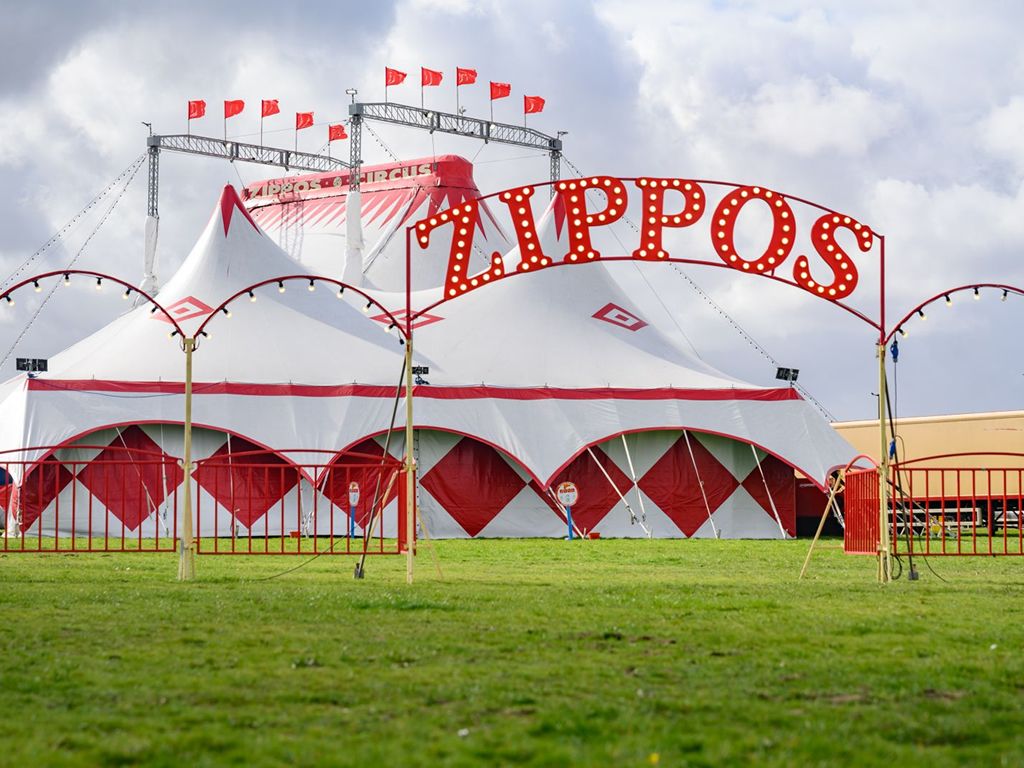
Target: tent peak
{"points": [[229, 200]]}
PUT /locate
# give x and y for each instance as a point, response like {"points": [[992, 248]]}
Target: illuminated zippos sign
{"points": [[828, 271]]}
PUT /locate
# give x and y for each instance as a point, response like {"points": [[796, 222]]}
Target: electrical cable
{"points": [[376, 499], [70, 264], [131, 169]]}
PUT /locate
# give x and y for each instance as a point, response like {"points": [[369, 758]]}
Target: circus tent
{"points": [[551, 376]]}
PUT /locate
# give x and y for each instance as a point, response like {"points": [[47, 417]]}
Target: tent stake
{"points": [[616, 489], [636, 486]]}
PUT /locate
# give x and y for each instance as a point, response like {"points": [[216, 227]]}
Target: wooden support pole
{"points": [[410, 467], [821, 523], [187, 555]]}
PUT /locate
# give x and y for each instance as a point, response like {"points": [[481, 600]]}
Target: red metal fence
{"points": [[86, 498], [940, 510]]}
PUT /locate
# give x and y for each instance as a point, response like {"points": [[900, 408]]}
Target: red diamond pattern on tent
{"points": [[616, 315], [349, 468], [674, 485], [184, 309], [473, 483], [40, 487], [782, 485], [597, 496], [245, 483], [132, 476], [418, 322]]}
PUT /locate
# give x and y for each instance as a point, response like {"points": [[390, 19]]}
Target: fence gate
{"points": [[108, 498], [939, 509]]}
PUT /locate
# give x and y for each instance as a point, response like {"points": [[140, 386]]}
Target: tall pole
{"points": [[410, 461], [187, 556], [410, 467], [884, 540]]}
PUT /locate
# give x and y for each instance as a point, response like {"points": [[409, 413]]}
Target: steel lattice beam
{"points": [[248, 153], [459, 125]]}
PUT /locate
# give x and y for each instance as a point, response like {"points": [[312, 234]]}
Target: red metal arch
{"points": [[100, 276], [670, 260], [975, 287], [878, 325]]}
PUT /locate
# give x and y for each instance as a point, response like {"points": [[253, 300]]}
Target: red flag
{"points": [[196, 109], [500, 90], [464, 76], [393, 76], [270, 107], [232, 108], [429, 77], [533, 104], [303, 120], [336, 132]]}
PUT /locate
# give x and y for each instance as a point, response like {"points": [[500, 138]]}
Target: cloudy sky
{"points": [[907, 115]]}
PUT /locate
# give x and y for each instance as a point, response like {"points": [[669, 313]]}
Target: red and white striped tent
{"points": [[547, 377]]}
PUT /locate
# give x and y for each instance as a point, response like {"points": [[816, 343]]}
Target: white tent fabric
{"points": [[538, 366]]}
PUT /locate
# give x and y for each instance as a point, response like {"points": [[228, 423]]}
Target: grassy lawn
{"points": [[529, 652]]}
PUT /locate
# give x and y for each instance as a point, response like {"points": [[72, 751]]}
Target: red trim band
{"points": [[424, 391]]}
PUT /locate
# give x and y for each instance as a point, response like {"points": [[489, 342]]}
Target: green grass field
{"points": [[599, 653]]}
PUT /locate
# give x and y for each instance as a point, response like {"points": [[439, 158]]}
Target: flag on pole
{"points": [[532, 104], [462, 77], [267, 108], [302, 120], [233, 107], [499, 91], [336, 133], [393, 77], [196, 109], [429, 77]]}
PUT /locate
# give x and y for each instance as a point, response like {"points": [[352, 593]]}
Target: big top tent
{"points": [[553, 376]]}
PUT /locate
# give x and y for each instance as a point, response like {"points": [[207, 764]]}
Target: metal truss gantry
{"points": [[229, 150], [445, 122]]}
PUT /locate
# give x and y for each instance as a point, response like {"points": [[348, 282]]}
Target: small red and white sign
{"points": [[616, 315], [567, 494], [418, 322], [184, 309], [353, 494]]}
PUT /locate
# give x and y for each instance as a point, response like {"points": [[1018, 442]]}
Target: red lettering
{"points": [[580, 220], [724, 224], [844, 271], [519, 208], [655, 218], [463, 220]]}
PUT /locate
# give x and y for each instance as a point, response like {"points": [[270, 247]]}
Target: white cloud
{"points": [[1002, 132]]}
